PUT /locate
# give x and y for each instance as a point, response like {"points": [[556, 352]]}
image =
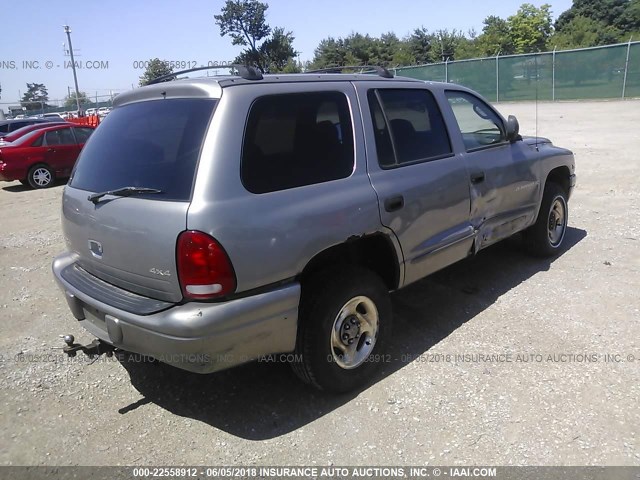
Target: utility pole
{"points": [[67, 30]]}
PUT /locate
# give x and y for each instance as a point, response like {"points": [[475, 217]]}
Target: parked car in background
{"points": [[103, 111], [55, 115], [41, 156], [16, 134], [8, 126], [90, 111]]}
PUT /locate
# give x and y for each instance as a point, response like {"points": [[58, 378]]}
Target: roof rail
{"points": [[381, 71], [245, 71]]}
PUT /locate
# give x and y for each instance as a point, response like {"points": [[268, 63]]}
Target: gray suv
{"points": [[213, 221]]}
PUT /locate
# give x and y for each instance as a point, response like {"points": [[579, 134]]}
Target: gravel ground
{"points": [[544, 393]]}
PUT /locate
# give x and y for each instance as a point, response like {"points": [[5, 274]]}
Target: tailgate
{"points": [[130, 241]]}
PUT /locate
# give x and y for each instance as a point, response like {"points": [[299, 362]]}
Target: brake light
{"points": [[204, 269]]}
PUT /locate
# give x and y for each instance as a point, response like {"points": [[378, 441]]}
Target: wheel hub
{"points": [[42, 176], [354, 332], [350, 330], [557, 221]]}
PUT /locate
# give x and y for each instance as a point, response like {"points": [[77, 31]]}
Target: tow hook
{"points": [[93, 349]]}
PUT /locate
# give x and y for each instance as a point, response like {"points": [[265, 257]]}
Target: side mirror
{"points": [[513, 128]]}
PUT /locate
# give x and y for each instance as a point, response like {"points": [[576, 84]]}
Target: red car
{"points": [[38, 157]]}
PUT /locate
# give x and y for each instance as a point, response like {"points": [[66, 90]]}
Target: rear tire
{"points": [[545, 237], [40, 176], [344, 324]]}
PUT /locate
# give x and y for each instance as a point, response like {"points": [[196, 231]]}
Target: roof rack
{"points": [[245, 71], [381, 71]]}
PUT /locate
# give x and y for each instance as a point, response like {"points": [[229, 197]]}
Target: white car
{"points": [[103, 111], [90, 111], [54, 115]]}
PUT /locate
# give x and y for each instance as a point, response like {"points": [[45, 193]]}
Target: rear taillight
{"points": [[204, 269]]}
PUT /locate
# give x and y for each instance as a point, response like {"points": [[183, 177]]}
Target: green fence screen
{"points": [[611, 71]]}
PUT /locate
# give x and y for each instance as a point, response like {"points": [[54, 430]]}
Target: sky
{"points": [[113, 38]]}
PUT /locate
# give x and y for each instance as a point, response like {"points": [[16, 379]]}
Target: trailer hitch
{"points": [[93, 349]]}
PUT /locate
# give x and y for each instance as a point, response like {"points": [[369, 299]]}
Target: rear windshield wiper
{"points": [[122, 192]]}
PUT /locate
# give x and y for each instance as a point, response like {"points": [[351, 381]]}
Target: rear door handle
{"points": [[392, 204], [477, 177]]}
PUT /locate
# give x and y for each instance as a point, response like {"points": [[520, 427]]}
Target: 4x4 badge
{"points": [[95, 248], [157, 271]]}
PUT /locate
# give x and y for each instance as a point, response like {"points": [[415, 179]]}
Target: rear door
{"points": [[421, 185], [61, 149], [131, 241]]}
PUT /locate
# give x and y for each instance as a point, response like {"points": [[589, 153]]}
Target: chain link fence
{"points": [[21, 109], [611, 71]]}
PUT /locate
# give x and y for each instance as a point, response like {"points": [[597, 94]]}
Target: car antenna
{"points": [[245, 71], [537, 79]]}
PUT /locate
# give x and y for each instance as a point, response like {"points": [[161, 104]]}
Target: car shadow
{"points": [[19, 188], [263, 400]]}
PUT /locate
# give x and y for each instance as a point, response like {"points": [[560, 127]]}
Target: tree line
{"points": [[37, 95], [530, 29], [587, 23]]}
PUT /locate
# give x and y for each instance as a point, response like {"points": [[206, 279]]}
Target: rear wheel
{"points": [[345, 321], [40, 176], [544, 238]]}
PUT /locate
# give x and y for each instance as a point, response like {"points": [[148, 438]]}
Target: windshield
{"points": [[152, 144]]}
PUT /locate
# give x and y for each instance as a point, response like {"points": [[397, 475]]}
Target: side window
{"points": [[59, 137], [479, 125], [82, 134], [66, 137], [384, 147], [38, 141], [52, 138], [409, 126], [15, 126], [297, 139]]}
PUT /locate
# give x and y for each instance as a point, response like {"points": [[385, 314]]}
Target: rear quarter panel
{"points": [[270, 237]]}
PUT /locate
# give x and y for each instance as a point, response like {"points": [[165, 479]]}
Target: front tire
{"points": [[545, 237], [345, 321], [40, 176]]}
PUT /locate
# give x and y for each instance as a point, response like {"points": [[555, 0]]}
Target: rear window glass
{"points": [[152, 144], [28, 138], [297, 139]]}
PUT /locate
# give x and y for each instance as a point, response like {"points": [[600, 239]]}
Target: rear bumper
{"points": [[9, 173], [199, 337]]}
